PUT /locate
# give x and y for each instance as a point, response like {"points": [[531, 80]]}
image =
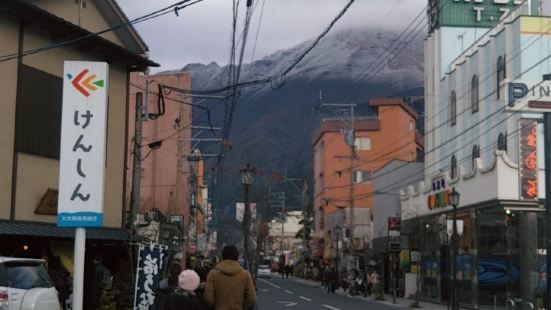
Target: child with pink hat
{"points": [[184, 296]]}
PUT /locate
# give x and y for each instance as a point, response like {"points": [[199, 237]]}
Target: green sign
{"points": [[468, 13]]}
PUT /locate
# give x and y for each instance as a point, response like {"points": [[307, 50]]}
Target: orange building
{"points": [[166, 144], [342, 173]]}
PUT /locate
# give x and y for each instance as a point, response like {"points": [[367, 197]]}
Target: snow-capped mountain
{"points": [[345, 55], [273, 129]]}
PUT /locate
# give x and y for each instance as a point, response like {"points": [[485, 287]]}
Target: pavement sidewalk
{"points": [[400, 302]]}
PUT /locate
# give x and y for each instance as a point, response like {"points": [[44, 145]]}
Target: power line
{"points": [[169, 9], [392, 47], [489, 147], [258, 29], [277, 81]]}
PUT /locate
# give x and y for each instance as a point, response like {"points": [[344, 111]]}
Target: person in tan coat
{"points": [[229, 286]]}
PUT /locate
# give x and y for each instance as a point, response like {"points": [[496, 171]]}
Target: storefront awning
{"points": [[37, 229]]}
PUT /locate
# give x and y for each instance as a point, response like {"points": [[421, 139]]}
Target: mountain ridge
{"points": [[273, 129]]}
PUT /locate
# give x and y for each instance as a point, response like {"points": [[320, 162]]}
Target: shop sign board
{"points": [[529, 96], [82, 151], [528, 155], [394, 227], [468, 13], [439, 200]]}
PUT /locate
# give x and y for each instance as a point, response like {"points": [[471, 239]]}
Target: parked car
{"points": [[25, 285], [264, 271]]}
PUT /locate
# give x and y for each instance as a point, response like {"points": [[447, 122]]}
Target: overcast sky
{"points": [[202, 32]]}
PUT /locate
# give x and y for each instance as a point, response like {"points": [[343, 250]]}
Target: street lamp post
{"points": [[454, 197], [337, 230], [247, 178]]}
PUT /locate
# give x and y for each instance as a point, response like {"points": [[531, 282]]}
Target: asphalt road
{"points": [[277, 293]]}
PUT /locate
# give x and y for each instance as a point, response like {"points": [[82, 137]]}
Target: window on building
{"points": [[502, 142], [501, 73], [453, 169], [453, 108], [362, 176], [474, 94], [362, 143], [475, 154], [38, 119]]}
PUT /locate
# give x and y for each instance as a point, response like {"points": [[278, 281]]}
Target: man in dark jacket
{"points": [[97, 281], [229, 286]]}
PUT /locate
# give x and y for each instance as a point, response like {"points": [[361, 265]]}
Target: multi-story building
{"points": [[166, 159], [485, 77], [343, 172], [387, 183], [32, 62]]}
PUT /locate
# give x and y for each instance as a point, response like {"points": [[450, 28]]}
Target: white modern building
{"points": [[485, 63]]}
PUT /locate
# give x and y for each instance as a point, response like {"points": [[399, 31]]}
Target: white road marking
{"points": [[331, 307], [288, 292], [307, 299], [270, 283], [287, 303]]}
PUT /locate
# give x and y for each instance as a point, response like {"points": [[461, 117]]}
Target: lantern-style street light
{"points": [[454, 199]]}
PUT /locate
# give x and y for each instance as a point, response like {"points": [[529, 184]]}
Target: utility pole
{"points": [[179, 127], [351, 140], [304, 199], [136, 171], [547, 158], [277, 200], [343, 110], [283, 223]]}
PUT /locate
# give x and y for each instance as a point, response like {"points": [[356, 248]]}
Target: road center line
{"points": [[331, 307], [270, 283], [307, 299], [288, 292]]}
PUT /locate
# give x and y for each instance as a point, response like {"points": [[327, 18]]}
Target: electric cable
{"points": [[393, 46], [258, 29], [468, 107], [169, 9], [489, 129], [278, 80]]}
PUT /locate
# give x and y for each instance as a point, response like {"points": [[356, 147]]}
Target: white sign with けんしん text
{"points": [[82, 152]]}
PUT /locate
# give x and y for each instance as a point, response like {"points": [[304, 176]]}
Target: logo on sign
{"points": [[84, 84]]}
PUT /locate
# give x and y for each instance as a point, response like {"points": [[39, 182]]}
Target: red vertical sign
{"points": [[528, 163]]}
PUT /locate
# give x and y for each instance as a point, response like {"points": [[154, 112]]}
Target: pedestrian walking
{"points": [[333, 279], [229, 286], [374, 279], [184, 297], [325, 279], [167, 286], [367, 283], [288, 271], [101, 281]]}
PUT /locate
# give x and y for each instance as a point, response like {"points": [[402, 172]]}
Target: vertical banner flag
{"points": [[82, 152], [148, 275]]}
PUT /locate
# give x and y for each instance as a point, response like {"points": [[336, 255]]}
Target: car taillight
{"points": [[4, 299]]}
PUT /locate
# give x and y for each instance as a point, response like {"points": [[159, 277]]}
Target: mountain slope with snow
{"points": [[273, 129]]}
